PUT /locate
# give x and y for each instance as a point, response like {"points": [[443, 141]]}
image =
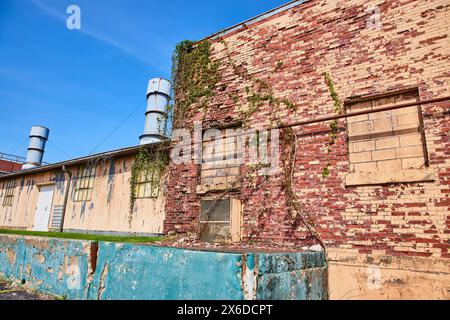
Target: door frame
{"points": [[40, 186]]}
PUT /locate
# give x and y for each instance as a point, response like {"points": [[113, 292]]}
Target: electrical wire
{"points": [[118, 126], [19, 146], [59, 148]]}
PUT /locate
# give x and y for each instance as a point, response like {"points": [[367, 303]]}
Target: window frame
{"points": [[84, 184], [234, 223], [222, 161], [143, 180], [370, 97], [9, 188], [424, 174]]}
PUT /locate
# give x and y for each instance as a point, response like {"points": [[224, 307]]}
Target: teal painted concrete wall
{"points": [[109, 271], [294, 276], [154, 273], [53, 266]]}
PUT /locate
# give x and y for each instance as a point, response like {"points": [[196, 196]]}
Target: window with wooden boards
{"points": [[388, 146], [221, 163], [8, 188], [84, 184], [147, 184]]}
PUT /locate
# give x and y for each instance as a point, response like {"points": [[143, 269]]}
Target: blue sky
{"points": [[83, 83]]}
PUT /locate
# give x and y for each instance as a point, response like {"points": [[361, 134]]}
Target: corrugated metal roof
{"points": [[76, 161]]}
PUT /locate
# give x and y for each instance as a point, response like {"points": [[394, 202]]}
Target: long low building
{"points": [[88, 195], [347, 106]]}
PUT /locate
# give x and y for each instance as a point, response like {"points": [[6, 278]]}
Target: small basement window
{"points": [[84, 184], [147, 185], [220, 220], [9, 187]]}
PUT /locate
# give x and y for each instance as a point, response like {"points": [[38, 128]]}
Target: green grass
{"points": [[80, 236]]}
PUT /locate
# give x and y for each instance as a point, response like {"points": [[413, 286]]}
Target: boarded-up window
{"points": [[221, 159], [388, 141], [147, 185], [9, 187], [84, 184], [220, 220]]}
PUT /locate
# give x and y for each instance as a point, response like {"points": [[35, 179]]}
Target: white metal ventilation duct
{"points": [[158, 96], [36, 148]]}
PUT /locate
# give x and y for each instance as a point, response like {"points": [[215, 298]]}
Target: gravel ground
{"points": [[14, 292]]}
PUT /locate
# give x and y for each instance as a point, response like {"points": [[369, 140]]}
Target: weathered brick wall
{"points": [[411, 49]]}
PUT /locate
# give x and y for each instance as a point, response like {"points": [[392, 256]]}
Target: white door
{"points": [[42, 216]]}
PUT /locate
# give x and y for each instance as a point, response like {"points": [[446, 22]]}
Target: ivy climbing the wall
{"points": [[338, 106], [147, 161], [334, 126], [257, 93], [194, 76], [299, 214]]}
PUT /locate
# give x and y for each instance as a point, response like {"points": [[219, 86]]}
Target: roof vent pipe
{"points": [[158, 96], [36, 148]]}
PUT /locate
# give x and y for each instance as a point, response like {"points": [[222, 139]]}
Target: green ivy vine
{"points": [[279, 66], [334, 126], [258, 93], [194, 76], [147, 161], [338, 106]]}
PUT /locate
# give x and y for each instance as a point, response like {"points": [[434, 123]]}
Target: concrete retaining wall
{"points": [[109, 271], [52, 266]]}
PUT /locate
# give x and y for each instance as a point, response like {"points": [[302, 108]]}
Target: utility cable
{"points": [[59, 148], [20, 146], [119, 126]]}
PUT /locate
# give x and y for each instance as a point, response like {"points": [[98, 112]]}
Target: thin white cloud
{"points": [[49, 10]]}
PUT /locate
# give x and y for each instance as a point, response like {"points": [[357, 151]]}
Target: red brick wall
{"points": [[7, 166], [412, 49]]}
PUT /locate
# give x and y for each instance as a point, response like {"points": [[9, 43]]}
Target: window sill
{"points": [[144, 198], [203, 189], [389, 177]]}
